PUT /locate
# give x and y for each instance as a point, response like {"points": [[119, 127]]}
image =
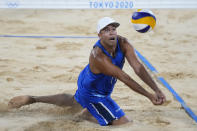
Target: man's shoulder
{"points": [[98, 56], [122, 39], [124, 43], [97, 60], [97, 52]]}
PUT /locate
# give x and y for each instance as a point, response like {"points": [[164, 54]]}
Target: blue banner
{"points": [[115, 4]]}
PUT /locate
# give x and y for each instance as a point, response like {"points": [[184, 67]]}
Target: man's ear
{"points": [[99, 35]]}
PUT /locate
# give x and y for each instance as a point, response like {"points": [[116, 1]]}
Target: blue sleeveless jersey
{"points": [[94, 86]]}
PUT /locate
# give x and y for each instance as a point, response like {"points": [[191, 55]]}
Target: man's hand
{"points": [[158, 98], [161, 96]]}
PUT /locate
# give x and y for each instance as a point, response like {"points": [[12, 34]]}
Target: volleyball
{"points": [[143, 20]]}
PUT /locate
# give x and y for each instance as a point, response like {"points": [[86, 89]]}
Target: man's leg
{"points": [[59, 99]]}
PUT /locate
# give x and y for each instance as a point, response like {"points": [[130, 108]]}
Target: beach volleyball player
{"points": [[96, 81]]}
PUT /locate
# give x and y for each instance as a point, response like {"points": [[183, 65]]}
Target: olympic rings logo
{"points": [[12, 4]]}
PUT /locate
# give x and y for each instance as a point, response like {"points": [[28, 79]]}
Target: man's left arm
{"points": [[139, 68]]}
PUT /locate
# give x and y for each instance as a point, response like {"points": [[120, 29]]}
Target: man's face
{"points": [[108, 35]]}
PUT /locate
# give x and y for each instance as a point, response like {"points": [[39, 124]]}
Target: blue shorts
{"points": [[105, 110]]}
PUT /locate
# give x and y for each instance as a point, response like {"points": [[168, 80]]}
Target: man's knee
{"points": [[122, 120]]}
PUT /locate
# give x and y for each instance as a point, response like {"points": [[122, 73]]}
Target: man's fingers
{"points": [[159, 101], [156, 101]]}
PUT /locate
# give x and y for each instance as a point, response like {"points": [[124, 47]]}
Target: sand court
{"points": [[46, 66]]}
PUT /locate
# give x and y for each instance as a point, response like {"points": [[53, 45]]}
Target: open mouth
{"points": [[112, 38]]}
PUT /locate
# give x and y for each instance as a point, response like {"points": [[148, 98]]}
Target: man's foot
{"points": [[19, 101]]}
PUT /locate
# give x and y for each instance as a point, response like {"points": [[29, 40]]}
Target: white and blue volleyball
{"points": [[143, 20]]}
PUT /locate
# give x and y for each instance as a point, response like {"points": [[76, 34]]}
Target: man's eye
{"points": [[107, 30]]}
